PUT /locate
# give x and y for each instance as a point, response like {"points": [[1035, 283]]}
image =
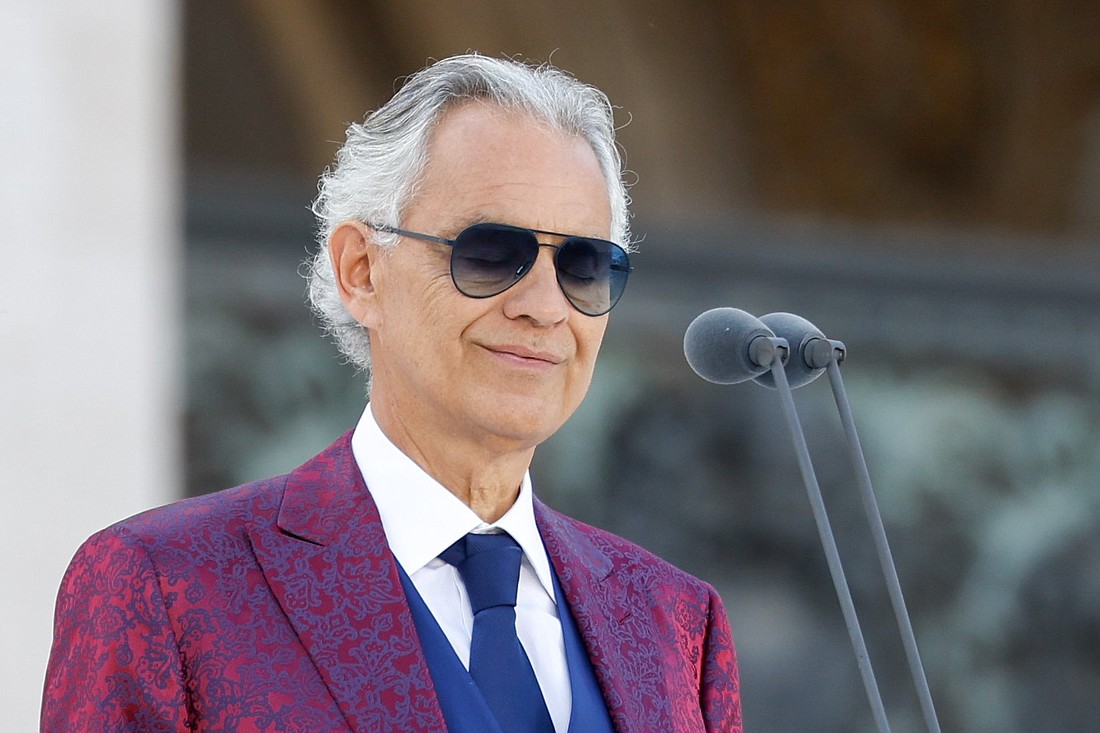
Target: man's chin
{"points": [[523, 425]]}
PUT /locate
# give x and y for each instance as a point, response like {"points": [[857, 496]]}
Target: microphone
{"points": [[728, 346]]}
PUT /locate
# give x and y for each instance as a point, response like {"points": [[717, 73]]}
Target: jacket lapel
{"points": [[613, 618], [327, 563]]}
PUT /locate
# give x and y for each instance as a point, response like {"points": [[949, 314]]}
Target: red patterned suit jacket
{"points": [[276, 606]]}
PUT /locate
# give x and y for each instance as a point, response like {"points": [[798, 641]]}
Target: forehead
{"points": [[486, 162]]}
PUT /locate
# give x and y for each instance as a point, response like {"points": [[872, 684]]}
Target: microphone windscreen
{"points": [[716, 345], [798, 332]]}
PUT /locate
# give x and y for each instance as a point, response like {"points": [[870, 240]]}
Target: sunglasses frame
{"points": [[566, 238]]}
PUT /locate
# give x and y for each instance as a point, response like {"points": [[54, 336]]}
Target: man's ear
{"points": [[353, 255]]}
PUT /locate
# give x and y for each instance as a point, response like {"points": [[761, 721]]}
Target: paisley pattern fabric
{"points": [[277, 606]]}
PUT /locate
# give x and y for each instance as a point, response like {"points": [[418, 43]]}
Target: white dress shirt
{"points": [[422, 518]]}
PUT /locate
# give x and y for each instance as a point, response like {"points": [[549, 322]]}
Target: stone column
{"points": [[90, 231]]}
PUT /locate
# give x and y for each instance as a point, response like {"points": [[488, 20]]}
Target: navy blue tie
{"points": [[489, 566]]}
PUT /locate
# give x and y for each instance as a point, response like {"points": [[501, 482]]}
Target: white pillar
{"points": [[89, 289]]}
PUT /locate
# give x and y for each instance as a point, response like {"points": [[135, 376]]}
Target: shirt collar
{"points": [[422, 518]]}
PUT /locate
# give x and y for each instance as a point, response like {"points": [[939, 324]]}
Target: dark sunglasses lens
{"points": [[488, 259], [592, 273]]}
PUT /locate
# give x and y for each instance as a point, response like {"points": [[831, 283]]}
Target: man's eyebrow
{"points": [[481, 219], [452, 228]]}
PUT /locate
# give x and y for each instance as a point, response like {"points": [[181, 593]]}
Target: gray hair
{"points": [[377, 169]]}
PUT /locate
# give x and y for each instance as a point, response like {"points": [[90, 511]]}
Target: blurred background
{"points": [[919, 179]]}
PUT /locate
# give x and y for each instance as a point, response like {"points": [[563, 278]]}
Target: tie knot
{"points": [[489, 566]]}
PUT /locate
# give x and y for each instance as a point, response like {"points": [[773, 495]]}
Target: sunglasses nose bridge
{"points": [[539, 280], [528, 264], [550, 261]]}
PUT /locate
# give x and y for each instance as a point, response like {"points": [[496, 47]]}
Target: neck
{"points": [[486, 477]]}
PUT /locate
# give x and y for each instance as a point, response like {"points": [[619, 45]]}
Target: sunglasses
{"points": [[487, 259]]}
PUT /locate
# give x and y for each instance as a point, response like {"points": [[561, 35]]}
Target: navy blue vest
{"points": [[464, 708]]}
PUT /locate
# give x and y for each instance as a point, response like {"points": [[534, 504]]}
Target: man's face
{"points": [[508, 370]]}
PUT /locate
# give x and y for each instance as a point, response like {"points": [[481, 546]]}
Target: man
{"points": [[469, 256]]}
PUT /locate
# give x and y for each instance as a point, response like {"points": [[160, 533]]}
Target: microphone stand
{"points": [[825, 531], [727, 346], [874, 519]]}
